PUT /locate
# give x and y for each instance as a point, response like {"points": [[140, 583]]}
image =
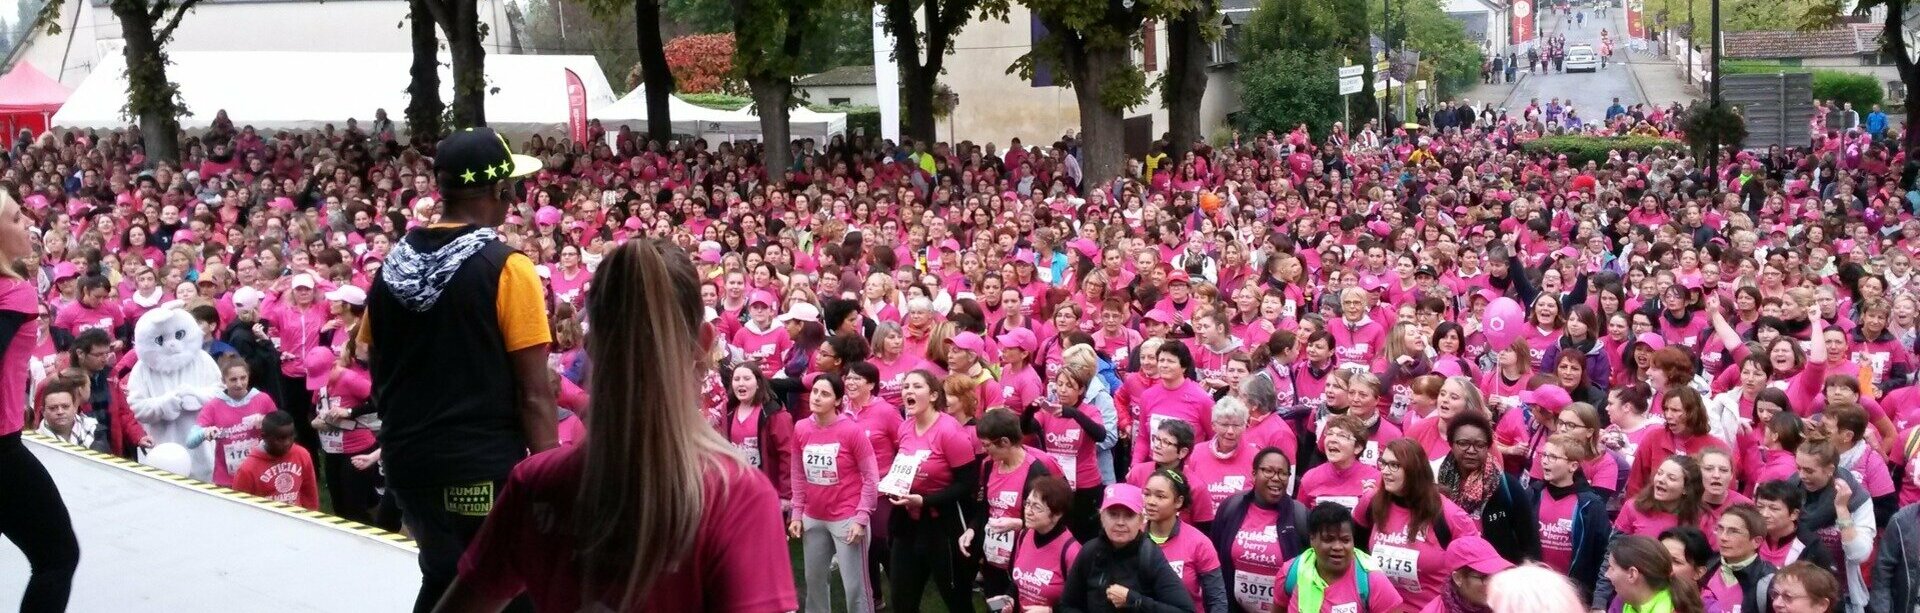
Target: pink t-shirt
{"points": [[1870, 469], [1040, 572], [1256, 558], [1006, 494], [739, 542], [1633, 520], [569, 288], [17, 296], [1220, 476], [1190, 554], [1415, 564], [893, 374], [1071, 448], [881, 421], [933, 454], [1556, 530], [222, 418], [1272, 431], [767, 347], [771, 456], [1328, 483], [1343, 593], [349, 390], [835, 477], [76, 318], [1188, 403]]}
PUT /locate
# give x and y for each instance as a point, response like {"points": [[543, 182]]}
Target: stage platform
{"points": [[154, 541]]}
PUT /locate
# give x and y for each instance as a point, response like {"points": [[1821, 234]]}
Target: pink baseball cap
{"points": [[65, 270], [1018, 338], [1549, 397], [183, 235], [1159, 315], [547, 216], [1652, 341], [1085, 247], [632, 223], [1476, 553], [968, 341], [949, 245], [1023, 256], [1126, 496], [1179, 276], [763, 297], [318, 362]]}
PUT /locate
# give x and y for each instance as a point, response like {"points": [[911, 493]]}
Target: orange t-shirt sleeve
{"points": [[522, 305]]}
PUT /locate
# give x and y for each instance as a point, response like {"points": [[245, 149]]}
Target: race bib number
{"points": [[333, 440], [1402, 565], [1068, 464], [899, 479], [999, 548], [1348, 607], [1371, 454], [235, 453], [750, 448], [822, 463], [1253, 591]]}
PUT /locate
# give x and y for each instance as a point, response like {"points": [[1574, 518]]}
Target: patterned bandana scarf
{"points": [[1468, 491], [417, 279]]}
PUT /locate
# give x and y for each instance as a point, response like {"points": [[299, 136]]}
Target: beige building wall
{"points": [[996, 106]]}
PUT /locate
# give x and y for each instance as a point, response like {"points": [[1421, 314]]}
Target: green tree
{"points": [[146, 27], [920, 73], [424, 107], [601, 28], [779, 31], [1735, 15], [1089, 43], [1189, 37], [1443, 44], [649, 50], [1315, 26], [1288, 87]]}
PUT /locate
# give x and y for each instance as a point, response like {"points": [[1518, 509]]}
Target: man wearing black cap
{"points": [[458, 334]]}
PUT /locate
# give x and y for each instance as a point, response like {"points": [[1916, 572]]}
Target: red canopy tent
{"points": [[28, 99]]}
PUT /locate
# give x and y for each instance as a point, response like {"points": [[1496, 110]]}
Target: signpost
{"points": [[1350, 81]]}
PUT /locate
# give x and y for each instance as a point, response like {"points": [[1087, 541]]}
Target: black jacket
{"points": [[1139, 565], [1290, 530], [1509, 517]]}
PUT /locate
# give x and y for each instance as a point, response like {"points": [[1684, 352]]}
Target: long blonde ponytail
{"points": [[648, 448]]}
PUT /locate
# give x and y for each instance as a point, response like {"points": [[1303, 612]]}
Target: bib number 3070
{"points": [[1254, 591]]}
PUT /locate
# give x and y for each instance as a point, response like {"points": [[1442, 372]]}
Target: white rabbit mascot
{"points": [[173, 380]]}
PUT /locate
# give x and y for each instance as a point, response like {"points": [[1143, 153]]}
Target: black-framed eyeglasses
{"points": [[1472, 443], [1571, 425]]}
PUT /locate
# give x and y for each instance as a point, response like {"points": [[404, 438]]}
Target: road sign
{"points": [[1352, 72], [1350, 85]]}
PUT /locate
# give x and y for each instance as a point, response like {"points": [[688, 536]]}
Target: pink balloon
{"points": [[1502, 322]]}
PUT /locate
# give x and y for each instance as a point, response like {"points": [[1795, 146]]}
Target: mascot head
{"points": [[167, 338]]}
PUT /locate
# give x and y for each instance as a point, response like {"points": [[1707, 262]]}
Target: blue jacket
{"points": [[1591, 533], [1876, 123]]}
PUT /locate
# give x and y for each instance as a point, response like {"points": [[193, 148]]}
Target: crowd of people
{"points": [[1418, 369]]}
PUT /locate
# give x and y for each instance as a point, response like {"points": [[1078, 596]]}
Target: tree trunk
{"points": [[654, 73], [150, 97], [423, 90], [1186, 84], [1103, 130], [460, 21], [770, 97], [916, 81]]}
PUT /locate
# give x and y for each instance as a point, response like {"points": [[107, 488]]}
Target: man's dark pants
{"points": [[442, 521]]}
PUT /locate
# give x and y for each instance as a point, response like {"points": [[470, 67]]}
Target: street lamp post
{"points": [[1713, 155]]}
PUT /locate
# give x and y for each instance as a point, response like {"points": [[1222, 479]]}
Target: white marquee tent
{"points": [[691, 119], [307, 90], [688, 118], [802, 121]]}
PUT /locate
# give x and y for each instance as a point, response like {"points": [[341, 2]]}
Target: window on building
{"points": [[1150, 46], [839, 101]]}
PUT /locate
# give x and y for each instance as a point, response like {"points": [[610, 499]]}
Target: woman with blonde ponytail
{"points": [[32, 514], [654, 510]]}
